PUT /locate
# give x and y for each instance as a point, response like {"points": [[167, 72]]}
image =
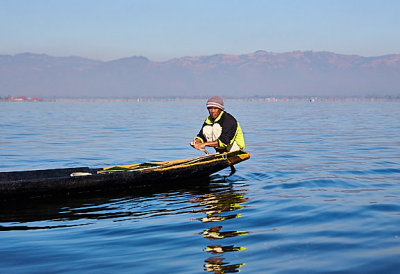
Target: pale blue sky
{"points": [[165, 29]]}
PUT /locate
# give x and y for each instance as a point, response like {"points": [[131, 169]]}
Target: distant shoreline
{"points": [[179, 99]]}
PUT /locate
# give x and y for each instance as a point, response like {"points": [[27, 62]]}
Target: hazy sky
{"points": [[165, 29]]}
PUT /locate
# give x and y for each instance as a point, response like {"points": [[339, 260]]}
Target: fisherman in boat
{"points": [[220, 130]]}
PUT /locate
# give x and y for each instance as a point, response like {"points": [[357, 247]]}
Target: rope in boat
{"points": [[159, 165], [166, 165], [193, 160]]}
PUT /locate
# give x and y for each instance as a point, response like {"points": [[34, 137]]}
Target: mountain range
{"points": [[262, 73]]}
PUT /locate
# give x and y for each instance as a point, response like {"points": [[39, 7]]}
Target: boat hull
{"points": [[68, 181]]}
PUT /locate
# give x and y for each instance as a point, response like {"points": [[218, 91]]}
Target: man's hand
{"points": [[199, 145], [194, 142]]}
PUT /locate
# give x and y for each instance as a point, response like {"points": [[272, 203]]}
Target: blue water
{"points": [[320, 193]]}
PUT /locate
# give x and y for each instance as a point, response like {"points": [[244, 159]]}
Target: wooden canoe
{"points": [[51, 182]]}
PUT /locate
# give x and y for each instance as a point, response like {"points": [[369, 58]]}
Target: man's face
{"points": [[214, 112]]}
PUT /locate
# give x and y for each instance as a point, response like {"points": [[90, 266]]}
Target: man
{"points": [[220, 130]]}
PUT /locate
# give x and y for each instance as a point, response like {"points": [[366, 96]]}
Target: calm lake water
{"points": [[320, 193]]}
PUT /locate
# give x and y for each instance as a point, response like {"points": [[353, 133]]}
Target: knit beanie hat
{"points": [[215, 101]]}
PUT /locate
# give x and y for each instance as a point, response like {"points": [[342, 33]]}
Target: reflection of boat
{"points": [[125, 204], [74, 180]]}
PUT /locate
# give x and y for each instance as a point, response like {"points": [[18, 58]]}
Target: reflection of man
{"points": [[217, 265], [216, 249], [215, 233], [220, 130]]}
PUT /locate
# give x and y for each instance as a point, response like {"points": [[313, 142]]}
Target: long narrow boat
{"points": [[50, 182]]}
